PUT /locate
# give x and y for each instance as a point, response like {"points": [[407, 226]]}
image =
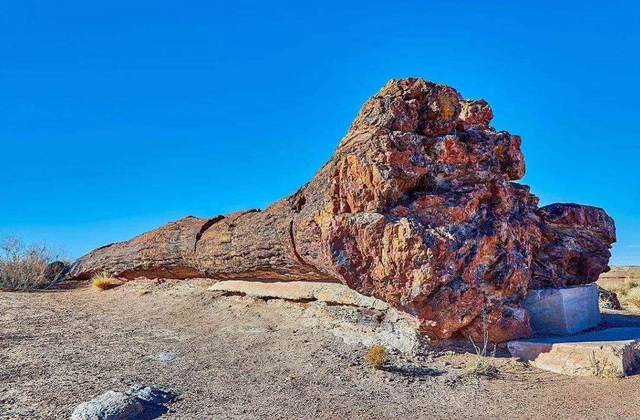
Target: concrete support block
{"points": [[563, 311]]}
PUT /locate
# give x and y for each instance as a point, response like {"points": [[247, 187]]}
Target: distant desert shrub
{"points": [[633, 296], [25, 268], [377, 356], [620, 286], [104, 281]]}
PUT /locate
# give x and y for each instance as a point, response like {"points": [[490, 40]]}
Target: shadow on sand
{"points": [[414, 371]]}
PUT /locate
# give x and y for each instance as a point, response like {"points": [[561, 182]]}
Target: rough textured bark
{"points": [[415, 207]]}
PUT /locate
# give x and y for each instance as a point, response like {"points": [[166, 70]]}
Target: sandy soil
{"points": [[240, 358]]}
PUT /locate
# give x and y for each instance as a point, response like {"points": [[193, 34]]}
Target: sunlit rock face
{"points": [[417, 207]]}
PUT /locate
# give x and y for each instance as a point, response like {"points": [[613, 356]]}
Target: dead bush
{"points": [[31, 267], [377, 356], [483, 365]]}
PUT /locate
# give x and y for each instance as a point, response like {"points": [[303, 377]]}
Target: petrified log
{"points": [[415, 207]]}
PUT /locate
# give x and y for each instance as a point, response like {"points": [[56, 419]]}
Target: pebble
{"points": [[166, 357]]}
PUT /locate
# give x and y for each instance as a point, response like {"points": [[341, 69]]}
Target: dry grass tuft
{"points": [[632, 296], [377, 356], [483, 365], [104, 281], [25, 268]]}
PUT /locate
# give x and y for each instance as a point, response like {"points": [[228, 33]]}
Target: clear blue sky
{"points": [[118, 116]]}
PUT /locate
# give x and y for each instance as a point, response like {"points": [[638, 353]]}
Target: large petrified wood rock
{"points": [[415, 207]]}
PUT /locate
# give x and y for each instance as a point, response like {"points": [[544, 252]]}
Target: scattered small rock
{"points": [[166, 357], [608, 299], [56, 271], [151, 394]]}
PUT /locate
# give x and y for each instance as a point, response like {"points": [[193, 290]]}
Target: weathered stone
{"points": [[111, 405], [136, 403], [355, 318], [575, 245], [608, 299], [608, 353], [367, 326], [151, 395], [416, 207], [563, 311], [56, 271], [333, 293]]}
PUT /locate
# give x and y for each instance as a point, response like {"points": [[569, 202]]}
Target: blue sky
{"points": [[116, 117]]}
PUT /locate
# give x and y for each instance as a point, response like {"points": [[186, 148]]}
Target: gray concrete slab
{"points": [[563, 311]]}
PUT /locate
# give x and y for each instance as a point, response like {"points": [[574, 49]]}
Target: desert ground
{"points": [[236, 357]]}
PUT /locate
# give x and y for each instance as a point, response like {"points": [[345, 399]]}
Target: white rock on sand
{"points": [[129, 405], [111, 405]]}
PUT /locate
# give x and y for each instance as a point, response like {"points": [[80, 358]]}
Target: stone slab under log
{"points": [[332, 293], [613, 352], [563, 311], [354, 318]]}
